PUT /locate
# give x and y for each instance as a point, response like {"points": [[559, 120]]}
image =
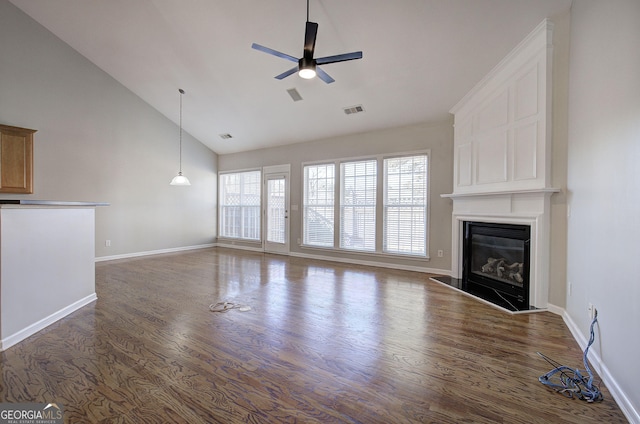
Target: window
{"points": [[381, 205], [240, 205], [358, 205], [318, 212], [405, 205]]}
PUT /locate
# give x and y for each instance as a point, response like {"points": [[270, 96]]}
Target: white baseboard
{"points": [[621, 398], [154, 252], [373, 263], [239, 247], [344, 260], [555, 309], [19, 336]]}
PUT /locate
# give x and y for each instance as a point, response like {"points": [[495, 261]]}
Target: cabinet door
{"points": [[16, 160]]}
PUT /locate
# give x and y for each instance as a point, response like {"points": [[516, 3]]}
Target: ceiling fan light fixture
{"points": [[307, 73], [307, 68], [307, 64]]}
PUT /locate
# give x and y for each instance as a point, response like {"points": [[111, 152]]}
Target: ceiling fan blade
{"points": [[310, 39], [287, 73], [324, 76], [273, 52], [339, 58]]}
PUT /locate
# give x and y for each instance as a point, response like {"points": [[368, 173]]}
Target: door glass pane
{"points": [[276, 210]]}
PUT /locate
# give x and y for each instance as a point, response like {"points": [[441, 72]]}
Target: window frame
{"points": [[355, 207], [221, 219], [305, 204], [386, 206], [379, 240]]}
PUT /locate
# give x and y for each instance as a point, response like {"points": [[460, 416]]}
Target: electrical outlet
{"points": [[440, 253], [569, 288], [107, 243], [592, 311]]}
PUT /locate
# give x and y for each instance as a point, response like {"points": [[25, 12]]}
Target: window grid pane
{"points": [[240, 205], [358, 205], [276, 212], [318, 207], [405, 205]]}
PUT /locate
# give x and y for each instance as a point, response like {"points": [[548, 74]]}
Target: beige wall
{"points": [[97, 141], [604, 188], [437, 137], [558, 241]]}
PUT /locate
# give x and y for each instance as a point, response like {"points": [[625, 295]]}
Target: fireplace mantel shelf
{"points": [[550, 190]]}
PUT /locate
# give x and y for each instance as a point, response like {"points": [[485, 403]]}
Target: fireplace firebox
{"points": [[496, 260]]}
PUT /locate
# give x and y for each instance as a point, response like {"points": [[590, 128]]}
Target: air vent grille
{"points": [[294, 94], [353, 109]]}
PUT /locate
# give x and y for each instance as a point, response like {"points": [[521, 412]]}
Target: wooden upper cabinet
{"points": [[16, 160]]}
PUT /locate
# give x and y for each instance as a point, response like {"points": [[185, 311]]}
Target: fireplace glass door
{"points": [[496, 256], [499, 258]]}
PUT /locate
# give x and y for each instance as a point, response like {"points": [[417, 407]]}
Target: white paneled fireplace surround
{"points": [[502, 162]]}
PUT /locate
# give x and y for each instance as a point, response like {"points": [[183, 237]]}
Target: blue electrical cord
{"points": [[570, 381]]}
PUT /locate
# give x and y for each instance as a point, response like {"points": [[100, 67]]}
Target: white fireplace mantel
{"points": [[502, 154], [526, 207], [506, 192]]}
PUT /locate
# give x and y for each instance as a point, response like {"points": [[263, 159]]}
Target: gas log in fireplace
{"points": [[496, 262]]}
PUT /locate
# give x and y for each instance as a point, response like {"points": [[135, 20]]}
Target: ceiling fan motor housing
{"points": [[307, 63]]}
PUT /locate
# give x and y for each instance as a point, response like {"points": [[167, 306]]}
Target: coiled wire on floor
{"points": [[225, 306], [570, 382]]}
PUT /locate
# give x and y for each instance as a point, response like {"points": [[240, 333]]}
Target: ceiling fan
{"points": [[307, 65]]}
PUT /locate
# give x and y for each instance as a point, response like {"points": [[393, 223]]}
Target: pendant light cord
{"points": [[307, 10], [181, 91], [180, 180]]}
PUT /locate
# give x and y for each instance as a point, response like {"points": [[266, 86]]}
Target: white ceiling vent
{"points": [[225, 136], [353, 109], [294, 94]]}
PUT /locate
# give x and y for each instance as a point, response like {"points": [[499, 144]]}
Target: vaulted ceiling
{"points": [[419, 58]]}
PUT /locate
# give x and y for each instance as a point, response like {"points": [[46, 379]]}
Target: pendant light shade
{"points": [[180, 180]]}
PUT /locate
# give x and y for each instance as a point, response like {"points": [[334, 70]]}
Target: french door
{"points": [[276, 209]]}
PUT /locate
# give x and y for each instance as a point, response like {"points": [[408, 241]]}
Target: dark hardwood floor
{"points": [[323, 342]]}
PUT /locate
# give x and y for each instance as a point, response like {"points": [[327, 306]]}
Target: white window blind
{"points": [[240, 205], [405, 205], [358, 205], [319, 203]]}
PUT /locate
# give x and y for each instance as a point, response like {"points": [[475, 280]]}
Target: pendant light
{"points": [[180, 180]]}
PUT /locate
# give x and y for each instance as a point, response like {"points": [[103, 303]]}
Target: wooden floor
{"points": [[324, 342]]}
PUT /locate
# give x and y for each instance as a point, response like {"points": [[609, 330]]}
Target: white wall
{"points": [[437, 137], [41, 280], [603, 263], [558, 239], [97, 141]]}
